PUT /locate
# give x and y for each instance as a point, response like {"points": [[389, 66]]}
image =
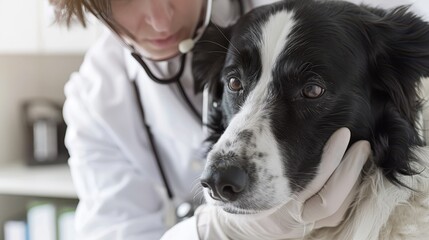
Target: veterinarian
{"points": [[135, 130]]}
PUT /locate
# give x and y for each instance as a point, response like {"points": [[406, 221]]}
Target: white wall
{"points": [[24, 77], [28, 26]]}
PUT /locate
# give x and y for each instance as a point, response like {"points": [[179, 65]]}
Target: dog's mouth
{"points": [[234, 208]]}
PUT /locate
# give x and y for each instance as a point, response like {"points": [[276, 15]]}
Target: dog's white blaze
{"points": [[255, 111]]}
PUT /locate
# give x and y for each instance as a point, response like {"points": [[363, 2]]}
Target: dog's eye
{"points": [[234, 84], [313, 91]]}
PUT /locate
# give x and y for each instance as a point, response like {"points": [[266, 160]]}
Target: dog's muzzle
{"points": [[225, 184]]}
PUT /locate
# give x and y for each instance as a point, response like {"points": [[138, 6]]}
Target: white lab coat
{"points": [[112, 165], [113, 168]]}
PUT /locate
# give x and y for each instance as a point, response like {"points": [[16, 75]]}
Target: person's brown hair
{"points": [[67, 11]]}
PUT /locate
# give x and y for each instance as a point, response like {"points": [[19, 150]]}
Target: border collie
{"points": [[285, 77]]}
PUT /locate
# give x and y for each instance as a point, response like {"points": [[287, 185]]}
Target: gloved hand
{"points": [[322, 204]]}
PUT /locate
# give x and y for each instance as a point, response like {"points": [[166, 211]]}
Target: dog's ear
{"points": [[208, 59], [399, 58]]}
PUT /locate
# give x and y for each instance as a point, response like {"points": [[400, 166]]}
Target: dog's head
{"points": [[286, 76]]}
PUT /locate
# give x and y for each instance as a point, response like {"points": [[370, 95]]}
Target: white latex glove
{"points": [[322, 204]]}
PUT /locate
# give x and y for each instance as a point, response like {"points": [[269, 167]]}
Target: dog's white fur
{"points": [[383, 211]]}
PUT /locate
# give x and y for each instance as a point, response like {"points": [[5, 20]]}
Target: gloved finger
{"points": [[338, 216], [339, 185], [209, 224], [333, 153]]}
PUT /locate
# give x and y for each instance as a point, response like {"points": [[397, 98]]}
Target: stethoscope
{"points": [[185, 209]]}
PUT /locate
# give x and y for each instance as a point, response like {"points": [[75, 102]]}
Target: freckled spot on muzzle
{"points": [[246, 136], [221, 159]]}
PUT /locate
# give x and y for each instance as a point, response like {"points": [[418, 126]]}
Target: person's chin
{"points": [[158, 54], [165, 55]]}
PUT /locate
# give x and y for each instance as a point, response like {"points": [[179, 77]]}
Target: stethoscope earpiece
{"points": [[186, 45]]}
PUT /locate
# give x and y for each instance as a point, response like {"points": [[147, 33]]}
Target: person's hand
{"points": [[322, 204]]}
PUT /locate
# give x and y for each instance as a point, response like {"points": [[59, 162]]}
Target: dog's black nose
{"points": [[225, 184]]}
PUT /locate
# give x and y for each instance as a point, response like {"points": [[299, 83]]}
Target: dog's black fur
{"points": [[369, 62]]}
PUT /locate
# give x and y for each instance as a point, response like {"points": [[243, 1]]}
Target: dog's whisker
{"points": [[201, 199], [232, 45], [215, 43], [224, 53], [235, 54], [196, 185], [196, 189], [255, 73], [297, 185], [196, 195], [215, 52], [198, 198], [196, 180]]}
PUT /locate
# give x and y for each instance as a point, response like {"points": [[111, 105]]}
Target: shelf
{"points": [[39, 181]]}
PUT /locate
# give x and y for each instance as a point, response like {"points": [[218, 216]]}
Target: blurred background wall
{"points": [[25, 77]]}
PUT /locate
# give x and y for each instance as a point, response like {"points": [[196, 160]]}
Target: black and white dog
{"points": [[285, 77]]}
